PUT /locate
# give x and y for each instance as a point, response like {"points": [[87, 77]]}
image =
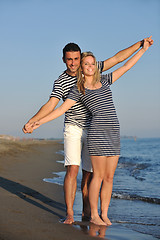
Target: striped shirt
{"points": [[78, 114], [98, 101], [104, 131]]}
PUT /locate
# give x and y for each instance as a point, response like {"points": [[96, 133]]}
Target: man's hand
{"points": [[27, 128], [147, 43], [149, 40], [36, 125]]}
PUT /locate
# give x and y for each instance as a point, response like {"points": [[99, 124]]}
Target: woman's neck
{"points": [[89, 79], [89, 83]]}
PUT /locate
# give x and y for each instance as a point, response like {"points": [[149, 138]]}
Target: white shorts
{"points": [[75, 147]]}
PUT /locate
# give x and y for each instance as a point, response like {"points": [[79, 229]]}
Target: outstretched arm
{"points": [[54, 114], [43, 111], [124, 54], [131, 62]]}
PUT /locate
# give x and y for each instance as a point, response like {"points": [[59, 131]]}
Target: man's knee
{"points": [[72, 171], [86, 176]]}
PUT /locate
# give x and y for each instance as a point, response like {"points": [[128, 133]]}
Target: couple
{"points": [[89, 109]]}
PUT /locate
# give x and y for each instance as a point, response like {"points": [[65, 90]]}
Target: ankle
{"points": [[104, 213], [94, 215], [69, 212]]}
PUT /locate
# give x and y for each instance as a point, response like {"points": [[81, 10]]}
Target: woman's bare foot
{"points": [[69, 219], [106, 220], [97, 221]]}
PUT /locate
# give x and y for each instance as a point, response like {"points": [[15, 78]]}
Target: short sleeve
{"points": [[100, 65], [74, 94], [57, 90], [107, 78]]}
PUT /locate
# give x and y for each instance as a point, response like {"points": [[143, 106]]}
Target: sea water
{"points": [[135, 201]]}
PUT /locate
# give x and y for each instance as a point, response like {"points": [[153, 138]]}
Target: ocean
{"points": [[135, 202]]}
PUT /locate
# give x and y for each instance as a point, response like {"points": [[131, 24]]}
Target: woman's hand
{"points": [[36, 125], [147, 43], [27, 128], [150, 40]]}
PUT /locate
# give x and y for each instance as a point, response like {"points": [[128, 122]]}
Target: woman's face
{"points": [[88, 66]]}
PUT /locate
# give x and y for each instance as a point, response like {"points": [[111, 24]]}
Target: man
{"points": [[76, 122]]}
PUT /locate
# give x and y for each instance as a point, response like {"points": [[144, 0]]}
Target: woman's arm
{"points": [[131, 62], [43, 111], [54, 114], [124, 54]]}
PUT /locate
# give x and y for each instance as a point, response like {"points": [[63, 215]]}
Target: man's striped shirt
{"points": [[78, 114]]}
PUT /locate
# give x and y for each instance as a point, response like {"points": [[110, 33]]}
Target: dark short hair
{"points": [[71, 47]]}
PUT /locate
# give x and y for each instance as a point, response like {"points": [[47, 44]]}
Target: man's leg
{"points": [[70, 186], [72, 150], [86, 179]]}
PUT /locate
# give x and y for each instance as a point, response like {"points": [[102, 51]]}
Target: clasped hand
{"points": [[29, 127], [147, 43]]}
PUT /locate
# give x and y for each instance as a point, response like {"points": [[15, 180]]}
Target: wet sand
{"points": [[31, 209]]}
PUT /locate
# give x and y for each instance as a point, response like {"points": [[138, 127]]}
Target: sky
{"points": [[32, 36]]}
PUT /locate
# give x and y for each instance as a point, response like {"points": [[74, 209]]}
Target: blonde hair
{"points": [[80, 76]]}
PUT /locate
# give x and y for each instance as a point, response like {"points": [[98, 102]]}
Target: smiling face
{"points": [[72, 61], [88, 66]]}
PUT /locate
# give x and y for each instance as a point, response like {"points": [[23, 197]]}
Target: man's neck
{"points": [[71, 73]]}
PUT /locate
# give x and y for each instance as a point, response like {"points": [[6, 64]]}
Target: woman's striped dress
{"points": [[104, 131]]}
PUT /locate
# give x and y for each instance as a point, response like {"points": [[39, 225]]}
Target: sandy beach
{"points": [[31, 209]]}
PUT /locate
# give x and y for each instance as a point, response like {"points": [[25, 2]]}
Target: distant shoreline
{"points": [[13, 138]]}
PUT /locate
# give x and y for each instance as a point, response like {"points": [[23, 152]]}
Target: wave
{"points": [[136, 166], [61, 152], [118, 195], [134, 163], [132, 197], [136, 223]]}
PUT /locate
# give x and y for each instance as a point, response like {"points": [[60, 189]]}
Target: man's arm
{"points": [[43, 111], [55, 114], [124, 54], [131, 62]]}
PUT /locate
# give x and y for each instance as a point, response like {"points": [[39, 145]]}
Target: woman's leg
{"points": [[98, 164], [106, 190]]}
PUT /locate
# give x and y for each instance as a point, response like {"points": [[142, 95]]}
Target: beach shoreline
{"points": [[31, 209]]}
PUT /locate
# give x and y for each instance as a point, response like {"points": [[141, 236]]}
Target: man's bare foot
{"points": [[97, 221], [69, 219], [106, 220], [86, 216]]}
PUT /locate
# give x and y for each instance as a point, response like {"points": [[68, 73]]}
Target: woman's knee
{"points": [[108, 178]]}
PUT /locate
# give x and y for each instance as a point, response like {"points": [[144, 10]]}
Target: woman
{"points": [[104, 132]]}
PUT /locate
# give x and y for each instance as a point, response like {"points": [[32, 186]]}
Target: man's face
{"points": [[72, 61]]}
